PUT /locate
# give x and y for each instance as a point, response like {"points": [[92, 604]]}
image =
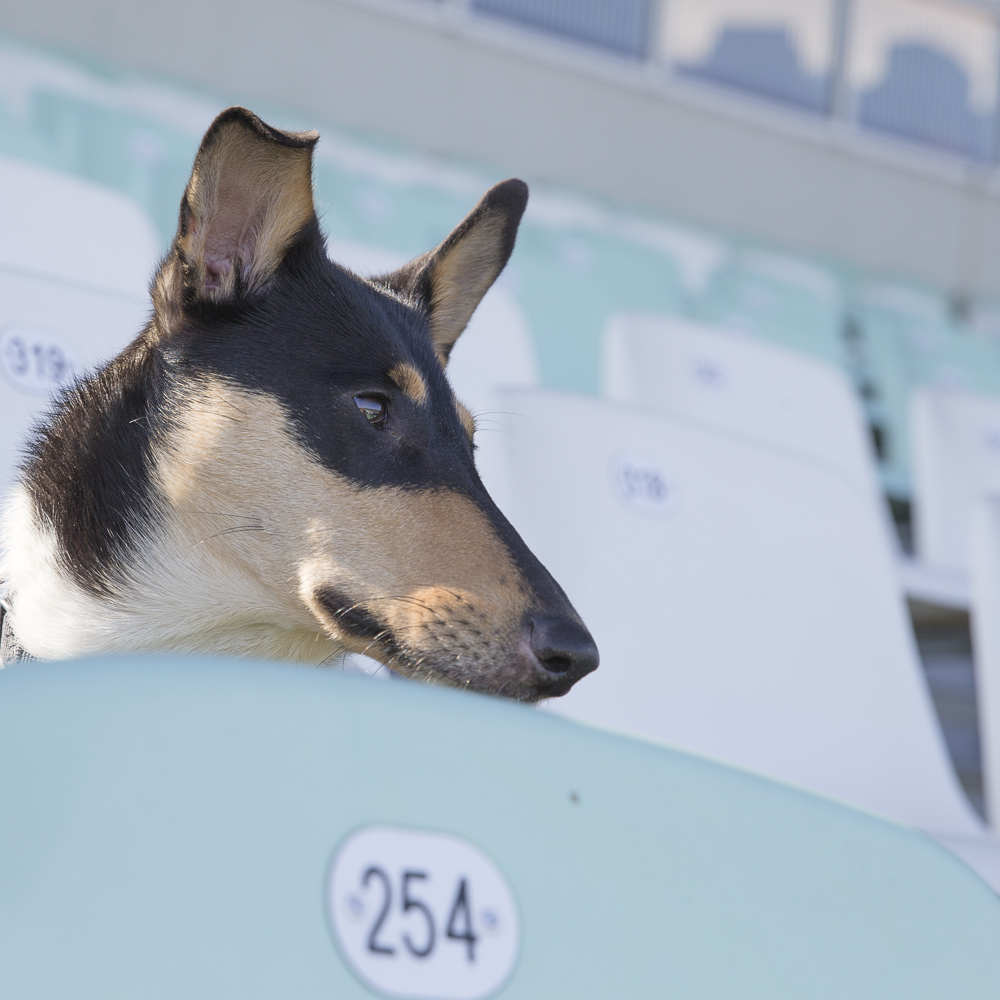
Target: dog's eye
{"points": [[373, 408]]}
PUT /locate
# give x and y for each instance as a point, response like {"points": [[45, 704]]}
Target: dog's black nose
{"points": [[564, 651]]}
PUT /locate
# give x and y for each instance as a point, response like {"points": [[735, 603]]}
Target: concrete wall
{"points": [[407, 70]]}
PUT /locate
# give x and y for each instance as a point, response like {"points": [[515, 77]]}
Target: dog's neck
{"points": [[175, 603], [214, 564], [188, 606]]}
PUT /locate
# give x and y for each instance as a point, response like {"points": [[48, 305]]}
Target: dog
{"points": [[277, 466]]}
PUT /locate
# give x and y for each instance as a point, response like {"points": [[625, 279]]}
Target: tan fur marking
{"points": [[467, 419], [250, 194], [460, 280], [410, 382]]}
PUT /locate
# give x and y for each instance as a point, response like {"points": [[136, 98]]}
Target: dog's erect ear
{"points": [[451, 279], [249, 194]]}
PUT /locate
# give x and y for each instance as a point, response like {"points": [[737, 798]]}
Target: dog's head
{"points": [[316, 404]]}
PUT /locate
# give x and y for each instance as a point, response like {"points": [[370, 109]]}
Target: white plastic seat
{"points": [[956, 460], [744, 603], [765, 393], [956, 465], [740, 384], [985, 616], [75, 264]]}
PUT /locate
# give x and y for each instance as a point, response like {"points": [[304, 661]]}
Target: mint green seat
{"points": [[909, 341], [168, 829], [570, 281], [787, 301], [144, 159]]}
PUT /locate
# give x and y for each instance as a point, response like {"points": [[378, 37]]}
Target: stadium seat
{"points": [[75, 264], [745, 386], [956, 460], [740, 384], [206, 830], [785, 300], [984, 317], [985, 578], [745, 605], [495, 351], [909, 342]]}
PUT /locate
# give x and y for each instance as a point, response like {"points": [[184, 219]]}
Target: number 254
{"points": [[459, 926]]}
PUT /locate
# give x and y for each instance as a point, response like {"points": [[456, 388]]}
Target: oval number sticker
{"points": [[643, 485], [418, 914], [36, 360], [710, 373]]}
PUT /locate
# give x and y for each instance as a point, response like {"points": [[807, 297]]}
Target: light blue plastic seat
{"points": [[984, 317], [169, 828]]}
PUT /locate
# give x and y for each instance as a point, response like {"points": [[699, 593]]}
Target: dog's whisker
{"points": [[405, 598], [341, 653], [215, 513], [229, 531], [503, 413]]}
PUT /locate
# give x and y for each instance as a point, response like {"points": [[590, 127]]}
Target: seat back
{"points": [[496, 351], [956, 460], [744, 602], [201, 829], [75, 263], [741, 385], [984, 532]]}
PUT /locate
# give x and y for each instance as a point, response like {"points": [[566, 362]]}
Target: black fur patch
{"points": [[357, 622], [87, 468], [319, 338]]}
